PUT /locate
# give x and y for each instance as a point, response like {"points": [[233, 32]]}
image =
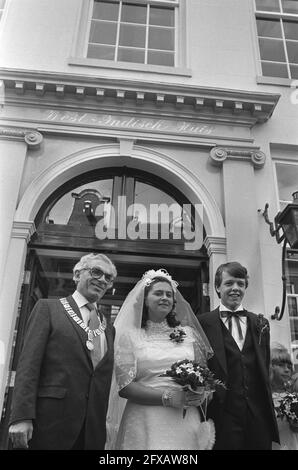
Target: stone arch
{"points": [[109, 155]]}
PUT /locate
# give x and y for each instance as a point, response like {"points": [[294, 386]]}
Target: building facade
{"points": [[111, 113]]}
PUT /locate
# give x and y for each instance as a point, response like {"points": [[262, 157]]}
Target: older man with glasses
{"points": [[64, 373]]}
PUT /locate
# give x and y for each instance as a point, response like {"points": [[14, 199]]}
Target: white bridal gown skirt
{"points": [[159, 428], [145, 427]]}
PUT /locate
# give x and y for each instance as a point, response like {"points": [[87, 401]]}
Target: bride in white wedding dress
{"points": [[155, 328]]}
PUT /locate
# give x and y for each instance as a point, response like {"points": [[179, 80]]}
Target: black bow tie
{"points": [[229, 315]]}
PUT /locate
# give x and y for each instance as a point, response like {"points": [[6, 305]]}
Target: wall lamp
{"points": [[284, 229]]}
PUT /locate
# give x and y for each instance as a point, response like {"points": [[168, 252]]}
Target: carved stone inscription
{"points": [[125, 122]]}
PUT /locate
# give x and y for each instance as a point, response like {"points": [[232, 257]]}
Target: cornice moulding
{"points": [[151, 108], [207, 142], [223, 104], [22, 229], [216, 245]]}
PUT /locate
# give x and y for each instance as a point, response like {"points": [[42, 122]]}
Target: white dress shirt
{"points": [[81, 302], [243, 324]]}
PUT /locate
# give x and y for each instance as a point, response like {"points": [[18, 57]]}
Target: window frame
{"points": [[282, 17], [81, 40], [2, 9], [289, 160], [3, 13], [122, 179], [292, 297]]}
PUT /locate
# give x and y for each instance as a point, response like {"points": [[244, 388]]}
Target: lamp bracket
{"points": [[278, 313], [274, 231]]}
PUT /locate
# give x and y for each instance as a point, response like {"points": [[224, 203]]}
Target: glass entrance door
{"points": [[54, 275]]}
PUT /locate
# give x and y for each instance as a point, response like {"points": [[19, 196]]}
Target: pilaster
{"points": [[220, 154], [217, 252], [14, 143], [31, 138], [241, 215], [10, 293]]}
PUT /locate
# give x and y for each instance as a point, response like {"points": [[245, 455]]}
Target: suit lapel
{"points": [[252, 325], [80, 332], [214, 333]]}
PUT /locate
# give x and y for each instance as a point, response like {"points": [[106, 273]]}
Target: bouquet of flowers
{"points": [[194, 377], [288, 408]]}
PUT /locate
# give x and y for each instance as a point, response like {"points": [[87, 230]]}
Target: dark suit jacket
{"points": [[56, 385], [211, 323]]}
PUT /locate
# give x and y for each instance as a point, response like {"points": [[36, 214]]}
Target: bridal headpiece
{"points": [[150, 275]]}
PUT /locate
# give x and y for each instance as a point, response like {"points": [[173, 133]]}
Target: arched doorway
{"points": [[72, 222], [66, 228]]}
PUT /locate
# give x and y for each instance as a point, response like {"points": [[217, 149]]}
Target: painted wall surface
{"points": [[38, 35]]}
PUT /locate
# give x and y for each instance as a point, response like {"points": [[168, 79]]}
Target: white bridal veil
{"points": [[128, 322]]}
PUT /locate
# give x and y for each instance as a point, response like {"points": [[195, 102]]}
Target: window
{"points": [[2, 5], [81, 208], [140, 31], [277, 27], [287, 178], [292, 298], [62, 213]]}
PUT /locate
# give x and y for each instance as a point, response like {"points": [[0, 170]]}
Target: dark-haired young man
{"points": [[243, 413]]}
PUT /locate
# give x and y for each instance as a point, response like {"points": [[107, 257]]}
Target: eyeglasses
{"points": [[97, 273]]}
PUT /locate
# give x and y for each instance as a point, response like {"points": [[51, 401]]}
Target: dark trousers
{"points": [[80, 442], [248, 432]]}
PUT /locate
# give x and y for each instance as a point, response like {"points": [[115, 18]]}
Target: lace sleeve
{"points": [[125, 361], [201, 352], [125, 369]]}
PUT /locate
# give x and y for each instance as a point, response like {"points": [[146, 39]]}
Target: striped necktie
{"points": [[229, 315]]}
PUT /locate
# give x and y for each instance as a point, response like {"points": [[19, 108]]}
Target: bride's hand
{"points": [[195, 398], [174, 398], [182, 398], [209, 397]]}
